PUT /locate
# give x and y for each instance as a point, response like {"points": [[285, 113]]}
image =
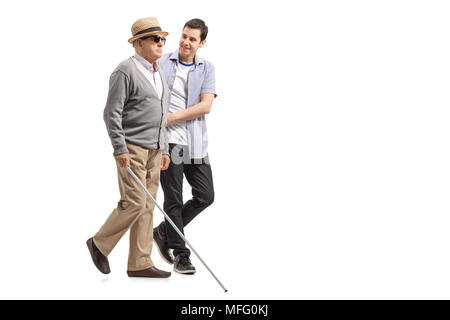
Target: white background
{"points": [[328, 142]]}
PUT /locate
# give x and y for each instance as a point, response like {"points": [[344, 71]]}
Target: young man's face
{"points": [[190, 42]]}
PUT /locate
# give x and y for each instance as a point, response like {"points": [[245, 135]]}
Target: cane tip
{"points": [[226, 290]]}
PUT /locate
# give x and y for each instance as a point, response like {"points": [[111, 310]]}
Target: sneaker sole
{"points": [[162, 256], [184, 271]]}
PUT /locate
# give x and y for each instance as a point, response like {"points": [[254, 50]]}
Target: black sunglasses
{"points": [[156, 38]]}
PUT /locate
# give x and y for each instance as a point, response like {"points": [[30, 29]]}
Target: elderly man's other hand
{"points": [[165, 161], [123, 160]]}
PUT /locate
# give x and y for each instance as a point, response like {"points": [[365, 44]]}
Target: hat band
{"points": [[147, 30]]}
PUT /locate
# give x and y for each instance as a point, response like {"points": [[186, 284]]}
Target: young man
{"points": [[191, 82], [135, 116]]}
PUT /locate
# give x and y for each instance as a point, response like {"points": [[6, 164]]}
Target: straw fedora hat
{"points": [[146, 27]]}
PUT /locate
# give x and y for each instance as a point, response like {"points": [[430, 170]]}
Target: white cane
{"points": [[174, 226]]}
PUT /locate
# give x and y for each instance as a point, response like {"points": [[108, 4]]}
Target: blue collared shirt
{"points": [[201, 79]]}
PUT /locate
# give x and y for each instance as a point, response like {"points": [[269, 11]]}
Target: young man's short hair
{"points": [[198, 24]]}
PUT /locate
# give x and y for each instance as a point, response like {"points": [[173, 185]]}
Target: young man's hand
{"points": [[123, 160], [170, 119], [165, 161]]}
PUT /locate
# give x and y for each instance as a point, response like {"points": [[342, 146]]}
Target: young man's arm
{"points": [[198, 110]]}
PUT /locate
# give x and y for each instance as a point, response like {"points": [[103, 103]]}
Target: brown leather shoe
{"points": [[152, 272], [100, 261]]}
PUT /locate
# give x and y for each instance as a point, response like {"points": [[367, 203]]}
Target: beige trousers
{"points": [[134, 210]]}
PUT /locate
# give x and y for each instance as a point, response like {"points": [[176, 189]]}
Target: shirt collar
{"points": [[147, 65], [197, 59]]}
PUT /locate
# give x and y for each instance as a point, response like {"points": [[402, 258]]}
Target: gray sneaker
{"points": [[161, 243], [183, 265]]}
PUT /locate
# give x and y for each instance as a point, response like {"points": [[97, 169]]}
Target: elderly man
{"points": [[135, 117]]}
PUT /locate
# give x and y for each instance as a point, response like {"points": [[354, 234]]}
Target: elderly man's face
{"points": [[149, 49]]}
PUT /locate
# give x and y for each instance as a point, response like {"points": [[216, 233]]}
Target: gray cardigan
{"points": [[134, 112]]}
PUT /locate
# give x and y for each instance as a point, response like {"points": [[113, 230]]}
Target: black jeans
{"points": [[199, 176]]}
